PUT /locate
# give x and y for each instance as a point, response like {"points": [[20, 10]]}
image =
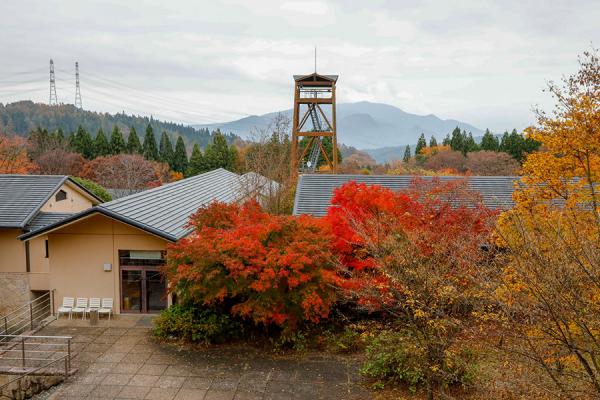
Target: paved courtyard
{"points": [[119, 360]]}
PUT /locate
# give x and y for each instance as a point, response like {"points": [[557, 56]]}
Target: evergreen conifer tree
{"points": [[166, 150], [83, 143], [59, 136], [406, 157], [489, 142], [133, 142], [504, 142], [149, 150], [470, 144], [117, 142], [71, 141], [446, 141], [180, 161], [101, 145], [196, 165], [433, 141], [516, 145], [457, 140], [219, 154], [421, 144]]}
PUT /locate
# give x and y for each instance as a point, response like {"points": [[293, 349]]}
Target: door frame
{"points": [[143, 294]]}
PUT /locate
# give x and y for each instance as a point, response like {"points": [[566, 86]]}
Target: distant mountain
{"points": [[364, 125], [387, 154], [24, 116]]}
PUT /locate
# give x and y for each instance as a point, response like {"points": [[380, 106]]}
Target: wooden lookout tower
{"points": [[313, 125]]}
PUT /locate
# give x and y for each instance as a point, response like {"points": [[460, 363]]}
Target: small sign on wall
{"points": [[107, 267]]}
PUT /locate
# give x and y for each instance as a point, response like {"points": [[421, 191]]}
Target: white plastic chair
{"points": [[66, 308], [94, 305], [80, 306], [107, 306]]}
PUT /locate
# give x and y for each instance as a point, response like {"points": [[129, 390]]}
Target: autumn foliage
{"points": [[13, 155], [550, 288], [415, 255], [272, 270], [126, 172]]}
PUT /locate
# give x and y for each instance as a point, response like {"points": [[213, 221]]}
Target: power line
{"points": [[130, 108], [30, 72], [153, 100], [162, 98]]}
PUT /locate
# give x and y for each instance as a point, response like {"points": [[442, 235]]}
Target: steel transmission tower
{"points": [[53, 99], [77, 90]]}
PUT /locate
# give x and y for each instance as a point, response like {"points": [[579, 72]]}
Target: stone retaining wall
{"points": [[28, 386], [14, 291]]}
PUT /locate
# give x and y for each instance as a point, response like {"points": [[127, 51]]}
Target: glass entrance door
{"points": [[142, 288], [131, 290], [156, 290]]}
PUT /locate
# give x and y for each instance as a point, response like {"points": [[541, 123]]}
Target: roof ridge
{"points": [[413, 176], [164, 187], [46, 198], [34, 175]]}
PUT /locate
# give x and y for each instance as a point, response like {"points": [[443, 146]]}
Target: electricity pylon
{"points": [[53, 99], [77, 89]]}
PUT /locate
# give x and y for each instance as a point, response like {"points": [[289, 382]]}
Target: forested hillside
{"points": [[24, 116]]}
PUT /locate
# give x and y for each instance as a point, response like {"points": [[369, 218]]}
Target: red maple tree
{"points": [[269, 269], [434, 223]]}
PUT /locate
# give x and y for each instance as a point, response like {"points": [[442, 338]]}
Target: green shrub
{"points": [[195, 324], [298, 341], [397, 357], [346, 341], [94, 188]]}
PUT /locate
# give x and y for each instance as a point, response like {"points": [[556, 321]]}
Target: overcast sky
{"points": [[482, 62]]}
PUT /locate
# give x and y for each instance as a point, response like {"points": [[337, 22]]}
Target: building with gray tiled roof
{"points": [[165, 210], [314, 191]]}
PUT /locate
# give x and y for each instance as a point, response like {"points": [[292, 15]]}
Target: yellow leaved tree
{"points": [[550, 282]]}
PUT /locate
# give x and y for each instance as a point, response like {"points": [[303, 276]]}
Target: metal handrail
{"points": [[38, 337], [47, 294], [19, 343], [28, 315], [66, 358]]}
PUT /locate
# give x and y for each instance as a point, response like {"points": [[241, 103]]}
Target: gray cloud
{"points": [[484, 62]]}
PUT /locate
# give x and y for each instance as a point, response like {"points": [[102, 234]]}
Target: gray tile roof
{"points": [[21, 196], [314, 191], [165, 211], [168, 208], [43, 219]]}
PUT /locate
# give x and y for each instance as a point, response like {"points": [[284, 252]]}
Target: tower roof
{"points": [[314, 77]]}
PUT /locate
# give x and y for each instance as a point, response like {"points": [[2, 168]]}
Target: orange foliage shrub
{"points": [[273, 270]]}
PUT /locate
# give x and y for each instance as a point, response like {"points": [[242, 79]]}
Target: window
{"points": [[27, 259], [47, 252], [61, 195], [142, 257]]}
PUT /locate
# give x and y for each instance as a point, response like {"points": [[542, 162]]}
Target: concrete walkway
{"points": [[119, 360]]}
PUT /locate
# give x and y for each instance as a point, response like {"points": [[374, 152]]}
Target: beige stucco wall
{"points": [[12, 251], [79, 251], [39, 265], [75, 201]]}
